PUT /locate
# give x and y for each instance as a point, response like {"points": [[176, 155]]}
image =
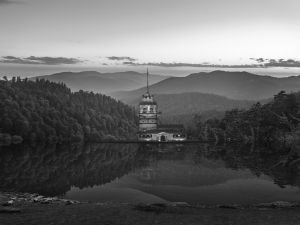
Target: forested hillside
{"points": [[276, 121], [48, 111]]}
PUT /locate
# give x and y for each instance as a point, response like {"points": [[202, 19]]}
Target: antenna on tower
{"points": [[147, 81]]}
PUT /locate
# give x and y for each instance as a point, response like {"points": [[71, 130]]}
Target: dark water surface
{"points": [[194, 173]]}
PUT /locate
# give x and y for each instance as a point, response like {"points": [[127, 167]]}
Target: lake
{"points": [[148, 173]]}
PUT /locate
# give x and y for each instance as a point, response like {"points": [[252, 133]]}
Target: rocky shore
{"points": [[24, 208], [9, 198], [11, 202]]}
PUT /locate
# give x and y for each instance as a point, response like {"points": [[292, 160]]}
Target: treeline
{"points": [[276, 121], [46, 111]]}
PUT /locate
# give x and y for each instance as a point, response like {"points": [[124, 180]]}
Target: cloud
{"points": [[277, 62], [180, 64], [259, 63], [121, 58], [259, 60], [130, 63], [40, 60], [6, 2], [283, 63]]}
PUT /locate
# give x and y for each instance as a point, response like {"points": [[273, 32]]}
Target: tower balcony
{"points": [[148, 113], [148, 121], [148, 116]]}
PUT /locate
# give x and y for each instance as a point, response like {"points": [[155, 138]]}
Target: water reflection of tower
{"points": [[149, 174]]}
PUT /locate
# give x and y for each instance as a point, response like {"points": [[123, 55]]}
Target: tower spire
{"points": [[147, 81]]}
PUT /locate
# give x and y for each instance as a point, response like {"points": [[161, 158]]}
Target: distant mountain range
{"points": [[102, 82], [181, 108], [179, 98], [234, 85], [191, 103]]}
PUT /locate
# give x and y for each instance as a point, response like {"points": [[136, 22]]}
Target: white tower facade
{"points": [[148, 113]]}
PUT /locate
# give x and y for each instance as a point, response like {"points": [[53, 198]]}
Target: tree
{"points": [[47, 111]]}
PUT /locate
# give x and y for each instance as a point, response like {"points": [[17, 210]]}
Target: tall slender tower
{"points": [[147, 111]]}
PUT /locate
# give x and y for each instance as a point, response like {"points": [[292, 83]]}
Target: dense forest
{"points": [[276, 121], [46, 111]]}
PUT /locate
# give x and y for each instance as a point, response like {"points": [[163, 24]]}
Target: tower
{"points": [[147, 111]]}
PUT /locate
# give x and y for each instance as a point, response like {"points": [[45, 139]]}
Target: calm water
{"points": [[194, 173]]}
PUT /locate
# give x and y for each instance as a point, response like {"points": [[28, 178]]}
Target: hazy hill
{"points": [[181, 108], [197, 102], [175, 104], [102, 82], [235, 85]]}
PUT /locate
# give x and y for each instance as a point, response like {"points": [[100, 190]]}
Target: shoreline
{"points": [[24, 208], [17, 198], [12, 198]]}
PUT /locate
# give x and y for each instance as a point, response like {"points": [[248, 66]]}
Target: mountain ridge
{"points": [[234, 85], [104, 83]]}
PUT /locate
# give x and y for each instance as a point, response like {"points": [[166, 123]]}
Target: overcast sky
{"points": [[155, 32]]}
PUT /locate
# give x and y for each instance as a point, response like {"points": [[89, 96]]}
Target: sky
{"points": [[168, 35]]}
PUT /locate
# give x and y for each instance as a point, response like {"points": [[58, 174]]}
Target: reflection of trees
{"points": [[260, 160], [53, 170]]}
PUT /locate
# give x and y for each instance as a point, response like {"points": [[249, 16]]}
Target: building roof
{"points": [[148, 103], [168, 128]]}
